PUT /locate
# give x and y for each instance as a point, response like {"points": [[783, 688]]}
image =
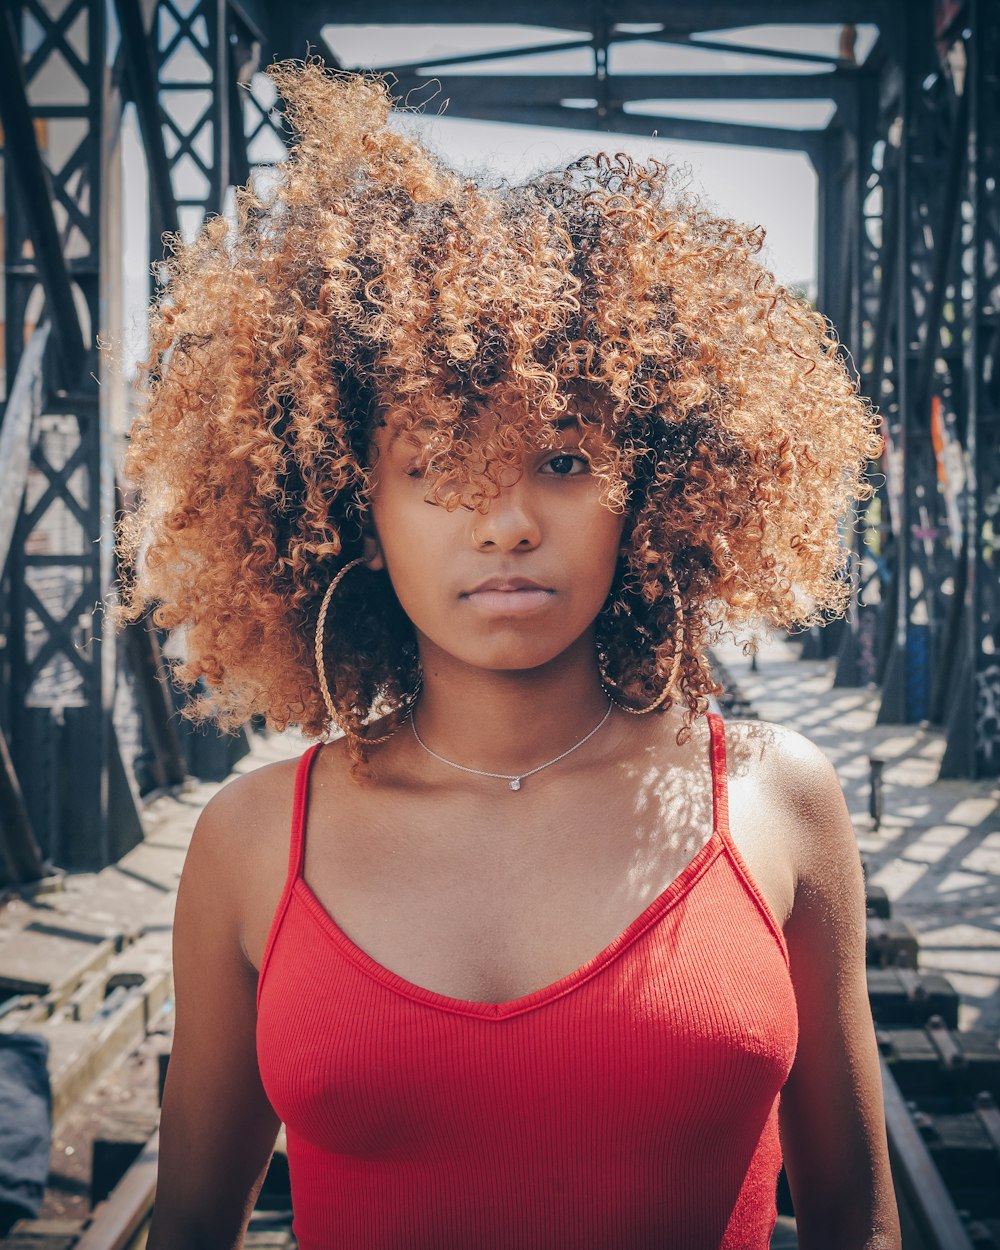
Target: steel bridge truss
{"points": [[909, 240]]}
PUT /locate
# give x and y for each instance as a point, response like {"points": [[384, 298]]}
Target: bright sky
{"points": [[776, 189]]}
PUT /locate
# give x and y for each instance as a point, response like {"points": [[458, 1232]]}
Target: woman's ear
{"points": [[371, 552]]}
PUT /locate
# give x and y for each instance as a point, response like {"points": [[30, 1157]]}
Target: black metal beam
{"points": [[916, 1176], [256, 15], [649, 126], [35, 186], [945, 238], [498, 90], [570, 15], [490, 55], [973, 748], [746, 49], [239, 163], [24, 400], [487, 56], [141, 66], [21, 854]]}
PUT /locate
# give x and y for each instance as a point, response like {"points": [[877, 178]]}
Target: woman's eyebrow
{"points": [[410, 435]]}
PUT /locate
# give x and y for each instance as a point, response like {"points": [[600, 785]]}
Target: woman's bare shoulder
{"points": [[251, 802], [248, 821], [798, 785], [774, 752], [240, 845], [792, 786]]}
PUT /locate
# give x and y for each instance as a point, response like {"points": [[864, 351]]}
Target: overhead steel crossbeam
{"points": [[677, 17], [560, 99]]}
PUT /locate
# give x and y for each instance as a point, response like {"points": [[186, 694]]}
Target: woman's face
{"points": [[509, 589]]}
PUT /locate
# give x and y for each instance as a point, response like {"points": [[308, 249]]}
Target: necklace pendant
{"points": [[516, 783]]}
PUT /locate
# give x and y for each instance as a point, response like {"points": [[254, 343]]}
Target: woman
{"points": [[537, 953]]}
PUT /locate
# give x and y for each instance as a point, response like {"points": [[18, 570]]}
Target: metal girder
{"points": [[256, 16], [141, 65], [202, 112], [648, 124], [926, 403], [201, 54], [745, 49], [528, 90], [20, 855], [34, 186], [973, 728], [191, 53], [56, 700], [20, 850], [567, 15], [611, 39], [871, 268], [837, 168], [23, 404], [928, 1202]]}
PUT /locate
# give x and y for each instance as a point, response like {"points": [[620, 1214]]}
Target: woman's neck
{"points": [[505, 722]]}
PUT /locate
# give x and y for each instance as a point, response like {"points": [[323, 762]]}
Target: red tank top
{"points": [[632, 1104]]}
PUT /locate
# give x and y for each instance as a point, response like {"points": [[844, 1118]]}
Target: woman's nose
{"points": [[510, 524]]}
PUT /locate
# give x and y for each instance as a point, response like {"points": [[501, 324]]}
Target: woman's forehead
{"points": [[481, 446], [487, 426]]}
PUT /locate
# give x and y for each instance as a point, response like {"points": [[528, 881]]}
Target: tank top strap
{"points": [[296, 843], [720, 778], [296, 846], [720, 801]]}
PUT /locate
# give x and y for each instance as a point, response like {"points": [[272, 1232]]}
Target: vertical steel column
{"points": [[200, 49], [893, 705], [973, 731], [835, 163], [191, 50], [924, 555], [61, 680], [856, 658]]}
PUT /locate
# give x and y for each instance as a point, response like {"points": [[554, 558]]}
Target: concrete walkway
{"points": [[937, 853]]}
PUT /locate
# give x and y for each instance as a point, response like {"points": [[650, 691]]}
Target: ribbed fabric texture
{"points": [[631, 1104]]}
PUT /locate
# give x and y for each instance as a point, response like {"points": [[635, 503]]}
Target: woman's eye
{"points": [[566, 465]]}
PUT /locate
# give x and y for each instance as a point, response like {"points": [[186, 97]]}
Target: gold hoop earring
{"points": [[321, 667], [610, 685]]}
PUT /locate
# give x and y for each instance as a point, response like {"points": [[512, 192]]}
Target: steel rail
{"points": [[917, 1180], [121, 1216]]}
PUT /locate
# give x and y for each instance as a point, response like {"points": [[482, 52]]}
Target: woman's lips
{"points": [[510, 602]]}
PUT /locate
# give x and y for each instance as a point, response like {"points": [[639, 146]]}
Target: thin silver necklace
{"points": [[513, 779]]}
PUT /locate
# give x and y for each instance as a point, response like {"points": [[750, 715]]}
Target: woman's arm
{"points": [[217, 1128], [832, 1120]]}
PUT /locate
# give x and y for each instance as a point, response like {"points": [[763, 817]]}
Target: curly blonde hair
{"points": [[374, 284]]}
